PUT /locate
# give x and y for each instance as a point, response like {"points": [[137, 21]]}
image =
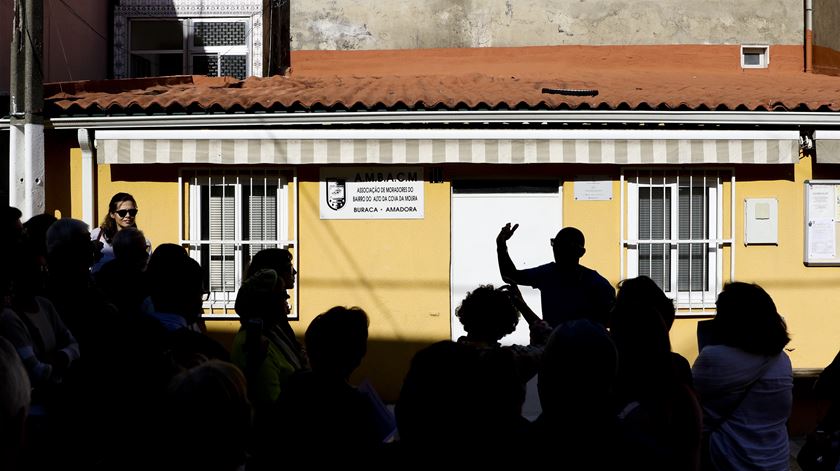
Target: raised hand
{"points": [[506, 233]]}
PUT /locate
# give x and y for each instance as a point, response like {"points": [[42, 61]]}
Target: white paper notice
{"points": [[837, 202], [822, 244], [822, 203]]}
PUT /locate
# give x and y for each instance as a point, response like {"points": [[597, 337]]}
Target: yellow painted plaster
{"points": [[157, 200], [76, 183]]}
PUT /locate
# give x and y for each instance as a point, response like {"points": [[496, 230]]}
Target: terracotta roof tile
{"points": [[625, 78]]}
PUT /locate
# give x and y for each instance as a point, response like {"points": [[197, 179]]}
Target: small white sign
{"points": [[593, 190], [371, 193]]}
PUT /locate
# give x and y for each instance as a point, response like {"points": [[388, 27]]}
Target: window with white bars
{"points": [[674, 232], [205, 46], [233, 214]]}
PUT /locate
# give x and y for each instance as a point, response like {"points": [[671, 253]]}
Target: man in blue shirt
{"points": [[568, 290]]}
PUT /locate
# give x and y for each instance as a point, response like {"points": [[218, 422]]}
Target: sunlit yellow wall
{"points": [[599, 222], [808, 297], [156, 194], [76, 184], [397, 270]]}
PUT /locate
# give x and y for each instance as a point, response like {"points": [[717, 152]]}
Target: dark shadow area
{"points": [[147, 172], [57, 168], [385, 363]]}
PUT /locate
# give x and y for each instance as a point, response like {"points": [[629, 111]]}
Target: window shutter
{"points": [[262, 216], [693, 224], [655, 224], [222, 227]]}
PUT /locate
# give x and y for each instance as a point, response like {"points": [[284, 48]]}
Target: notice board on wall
{"points": [[822, 222]]}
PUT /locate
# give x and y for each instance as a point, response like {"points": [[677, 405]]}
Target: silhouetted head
{"points": [[747, 319], [208, 400], [69, 248], [11, 228], [336, 341], [487, 314], [578, 370], [643, 293], [458, 397], [640, 333], [279, 260], [130, 246], [176, 284], [36, 231], [568, 246], [262, 295]]}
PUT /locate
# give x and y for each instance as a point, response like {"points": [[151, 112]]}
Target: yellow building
{"points": [[677, 162]]}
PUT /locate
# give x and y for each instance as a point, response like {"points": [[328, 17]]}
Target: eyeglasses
{"points": [[122, 212]]}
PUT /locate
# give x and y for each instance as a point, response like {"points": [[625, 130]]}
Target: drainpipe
{"points": [[809, 36], [86, 144]]}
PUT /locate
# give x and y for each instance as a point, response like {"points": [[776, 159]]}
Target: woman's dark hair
{"points": [[336, 341], [109, 226], [643, 292], [487, 313], [747, 319], [279, 260]]}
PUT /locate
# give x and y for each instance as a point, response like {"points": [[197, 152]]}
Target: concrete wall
{"points": [[372, 24], [826, 24], [75, 44]]}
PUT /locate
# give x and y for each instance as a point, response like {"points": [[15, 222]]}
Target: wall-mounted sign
{"points": [[371, 193], [593, 189]]}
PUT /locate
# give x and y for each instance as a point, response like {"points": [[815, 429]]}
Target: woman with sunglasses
{"points": [[122, 213]]}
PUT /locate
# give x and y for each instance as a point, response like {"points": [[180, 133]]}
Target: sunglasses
{"points": [[122, 212]]}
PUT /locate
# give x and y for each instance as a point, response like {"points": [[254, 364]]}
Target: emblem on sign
{"points": [[336, 193]]}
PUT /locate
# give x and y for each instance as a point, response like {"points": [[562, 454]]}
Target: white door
{"points": [[478, 212]]}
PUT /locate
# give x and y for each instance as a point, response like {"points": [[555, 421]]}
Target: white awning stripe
{"points": [[438, 151]]}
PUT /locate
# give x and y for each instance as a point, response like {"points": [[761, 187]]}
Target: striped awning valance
{"points": [[297, 151], [828, 146]]}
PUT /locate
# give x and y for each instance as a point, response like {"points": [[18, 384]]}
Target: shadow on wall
{"points": [[385, 364]]}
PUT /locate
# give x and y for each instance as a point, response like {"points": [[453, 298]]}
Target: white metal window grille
{"points": [[207, 46], [674, 233], [233, 214]]}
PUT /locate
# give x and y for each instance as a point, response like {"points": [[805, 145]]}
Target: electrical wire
{"points": [[80, 18], [61, 43]]}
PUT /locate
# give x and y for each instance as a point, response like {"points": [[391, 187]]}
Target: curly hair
{"points": [[109, 226], [487, 313]]}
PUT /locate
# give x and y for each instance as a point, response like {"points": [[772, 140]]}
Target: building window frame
{"points": [[224, 245], [681, 193], [189, 50], [127, 11]]}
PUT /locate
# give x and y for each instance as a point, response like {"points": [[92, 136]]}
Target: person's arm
{"points": [[15, 331], [539, 329], [507, 269], [519, 303], [66, 343]]}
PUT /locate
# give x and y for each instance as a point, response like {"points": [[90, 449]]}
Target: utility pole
{"points": [[26, 153]]}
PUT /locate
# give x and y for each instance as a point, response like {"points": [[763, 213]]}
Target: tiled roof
{"points": [[544, 78]]}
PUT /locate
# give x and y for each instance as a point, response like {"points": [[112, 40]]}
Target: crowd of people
{"points": [[105, 363]]}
